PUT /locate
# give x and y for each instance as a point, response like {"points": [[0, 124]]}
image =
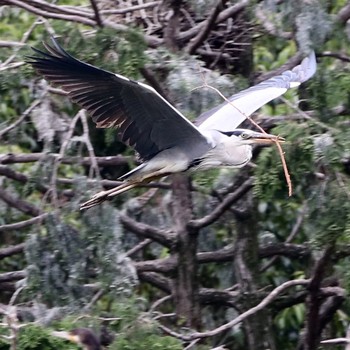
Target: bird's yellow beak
{"points": [[261, 138], [66, 335]]}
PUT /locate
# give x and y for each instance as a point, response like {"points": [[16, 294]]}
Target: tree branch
{"points": [[80, 16], [312, 335], [46, 14], [22, 224], [12, 250], [20, 119], [97, 13], [20, 204], [12, 276], [337, 55], [223, 206], [156, 280], [223, 16], [165, 238], [344, 14], [266, 301], [197, 41], [118, 160], [4, 43]]}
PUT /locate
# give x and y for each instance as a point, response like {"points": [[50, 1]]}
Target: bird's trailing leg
{"points": [[104, 195], [126, 186]]}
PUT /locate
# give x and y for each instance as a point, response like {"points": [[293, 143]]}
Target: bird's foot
{"points": [[96, 199]]}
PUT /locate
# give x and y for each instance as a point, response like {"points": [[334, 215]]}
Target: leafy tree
{"points": [[200, 255]]}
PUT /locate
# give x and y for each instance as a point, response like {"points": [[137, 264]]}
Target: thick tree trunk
{"points": [[185, 284], [246, 267]]}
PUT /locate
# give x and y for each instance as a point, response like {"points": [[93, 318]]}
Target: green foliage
{"points": [[63, 257], [327, 220], [288, 324], [119, 52], [141, 337], [150, 341], [38, 338], [299, 153]]}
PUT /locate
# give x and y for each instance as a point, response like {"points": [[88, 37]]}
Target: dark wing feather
{"points": [[146, 121]]}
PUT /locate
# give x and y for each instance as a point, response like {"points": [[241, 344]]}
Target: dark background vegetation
{"points": [[224, 259]]}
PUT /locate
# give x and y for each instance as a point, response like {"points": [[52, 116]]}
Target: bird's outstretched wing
{"points": [[225, 117], [146, 121]]}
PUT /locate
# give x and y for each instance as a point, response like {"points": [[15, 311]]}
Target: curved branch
{"points": [[223, 16], [266, 301], [66, 17], [22, 224], [223, 206], [152, 41]]}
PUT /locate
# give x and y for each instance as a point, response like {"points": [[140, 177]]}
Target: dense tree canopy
{"points": [[219, 259]]}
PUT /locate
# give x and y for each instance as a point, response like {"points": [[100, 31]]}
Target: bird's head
{"points": [[250, 137]]}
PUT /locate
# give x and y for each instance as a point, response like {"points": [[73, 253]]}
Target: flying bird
{"points": [[166, 141]]}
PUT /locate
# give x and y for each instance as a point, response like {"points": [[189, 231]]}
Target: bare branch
{"points": [[138, 247], [67, 10], [223, 16], [22, 224], [344, 14], [197, 41], [78, 18], [163, 237], [118, 160], [312, 327], [97, 13], [337, 55], [131, 8], [11, 174], [156, 280], [223, 206], [12, 276], [11, 66], [11, 44], [20, 204], [20, 119], [266, 301], [157, 265], [269, 25], [12, 250]]}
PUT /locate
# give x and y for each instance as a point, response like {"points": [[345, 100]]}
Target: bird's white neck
{"points": [[228, 151]]}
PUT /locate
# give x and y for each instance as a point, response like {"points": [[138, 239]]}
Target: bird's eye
{"points": [[245, 135]]}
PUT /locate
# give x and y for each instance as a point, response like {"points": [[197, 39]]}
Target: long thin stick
{"points": [[280, 151]]}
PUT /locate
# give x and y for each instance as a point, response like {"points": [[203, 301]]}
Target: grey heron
{"points": [[166, 141]]}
